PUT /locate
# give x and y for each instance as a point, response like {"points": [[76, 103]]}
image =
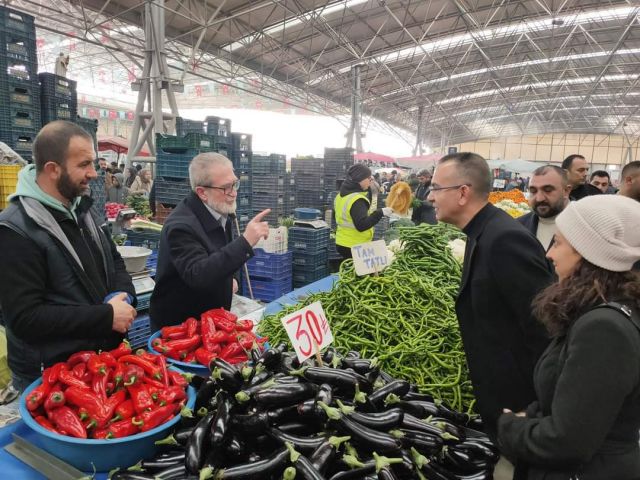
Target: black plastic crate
{"points": [[309, 240], [19, 139], [17, 116], [273, 184], [242, 142], [19, 93], [242, 161], [18, 46], [310, 260], [174, 164], [307, 165], [143, 238], [244, 202], [58, 108], [265, 200], [53, 85], [197, 141], [184, 126], [220, 127], [14, 69], [245, 188], [309, 182], [13, 20], [171, 191], [305, 277]]}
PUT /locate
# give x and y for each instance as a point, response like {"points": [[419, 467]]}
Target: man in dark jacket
{"points": [[63, 287], [548, 196], [198, 257], [577, 170], [504, 268], [423, 211]]}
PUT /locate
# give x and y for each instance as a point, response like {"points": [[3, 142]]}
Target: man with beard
{"points": [[64, 287], [423, 211], [577, 169], [198, 257], [548, 195]]}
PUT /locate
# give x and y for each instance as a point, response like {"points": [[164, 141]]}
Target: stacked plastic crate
{"points": [[269, 186], [270, 269], [20, 117], [90, 125], [220, 129], [58, 98], [309, 242], [308, 174], [241, 156], [173, 155], [289, 194], [336, 163]]}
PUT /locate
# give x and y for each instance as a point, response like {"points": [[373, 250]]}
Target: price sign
{"points": [[498, 183], [370, 257], [308, 330]]}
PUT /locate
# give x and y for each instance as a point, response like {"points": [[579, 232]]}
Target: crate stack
{"points": [[308, 174], [336, 163], [270, 269], [310, 246], [58, 98], [220, 129], [241, 156], [20, 117], [289, 194], [90, 125], [268, 186]]}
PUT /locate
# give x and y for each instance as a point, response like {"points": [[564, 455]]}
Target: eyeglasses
{"points": [[437, 188], [227, 189]]}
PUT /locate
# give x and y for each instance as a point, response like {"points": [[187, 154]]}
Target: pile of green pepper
{"points": [[404, 317]]}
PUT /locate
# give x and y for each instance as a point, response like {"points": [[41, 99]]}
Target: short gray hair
{"points": [[200, 168]]}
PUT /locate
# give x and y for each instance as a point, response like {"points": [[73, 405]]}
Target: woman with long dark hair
{"points": [[584, 424]]}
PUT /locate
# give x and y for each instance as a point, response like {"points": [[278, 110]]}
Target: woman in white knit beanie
{"points": [[586, 419]]}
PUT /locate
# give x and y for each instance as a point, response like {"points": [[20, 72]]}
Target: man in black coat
{"points": [[504, 268], [577, 170], [423, 211], [198, 257]]}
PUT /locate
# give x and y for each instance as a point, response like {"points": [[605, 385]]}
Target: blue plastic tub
{"points": [[306, 213], [103, 455], [184, 366]]}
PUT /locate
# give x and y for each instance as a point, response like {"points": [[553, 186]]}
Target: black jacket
{"points": [[54, 307], [584, 190], [360, 208], [196, 264], [586, 419], [504, 268], [425, 213]]}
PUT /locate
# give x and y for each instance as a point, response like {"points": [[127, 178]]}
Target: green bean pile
{"points": [[405, 317]]}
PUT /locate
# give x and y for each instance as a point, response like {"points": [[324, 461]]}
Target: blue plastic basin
{"points": [[306, 213], [103, 455]]}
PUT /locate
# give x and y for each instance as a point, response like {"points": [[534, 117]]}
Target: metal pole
{"points": [[246, 269]]}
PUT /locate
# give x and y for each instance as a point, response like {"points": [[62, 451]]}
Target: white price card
{"points": [[308, 330], [370, 257]]}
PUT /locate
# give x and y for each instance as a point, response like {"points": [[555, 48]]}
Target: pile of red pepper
{"points": [[112, 209], [218, 334], [107, 395]]}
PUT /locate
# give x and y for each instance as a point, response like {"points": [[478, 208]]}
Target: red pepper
{"points": [[124, 410], [79, 370], [44, 422], [204, 356], [180, 379], [141, 352], [188, 344], [118, 374], [37, 396], [123, 349], [141, 397], [175, 355], [155, 383], [66, 420], [207, 328], [83, 398], [133, 374], [191, 325], [222, 313], [80, 357], [100, 434], [246, 340], [54, 375], [71, 380], [244, 325], [171, 395], [153, 418], [148, 367], [190, 357], [176, 331], [220, 337], [233, 349], [224, 324], [99, 386], [123, 428], [55, 399], [96, 366], [108, 359], [238, 359], [162, 363]]}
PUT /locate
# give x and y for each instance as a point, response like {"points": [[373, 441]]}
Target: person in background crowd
{"points": [[504, 268], [142, 184], [199, 258], [511, 185], [122, 168], [548, 196], [423, 211], [601, 180], [374, 193], [132, 173], [584, 423], [413, 181], [118, 191], [102, 165], [577, 170], [64, 287], [630, 180], [113, 167], [138, 167], [351, 209], [152, 200], [99, 186]]}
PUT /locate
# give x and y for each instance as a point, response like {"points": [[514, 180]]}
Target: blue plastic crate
{"points": [[140, 331], [143, 302], [310, 260], [171, 191], [266, 265], [174, 164], [184, 126], [309, 240], [267, 290]]}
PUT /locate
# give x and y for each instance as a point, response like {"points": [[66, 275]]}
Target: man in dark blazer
{"points": [[504, 268], [198, 257], [548, 196]]}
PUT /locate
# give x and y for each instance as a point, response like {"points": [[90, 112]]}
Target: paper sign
{"points": [[498, 183], [370, 257], [308, 330]]}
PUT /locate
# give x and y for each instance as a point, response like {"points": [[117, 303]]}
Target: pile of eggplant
{"points": [[341, 418]]}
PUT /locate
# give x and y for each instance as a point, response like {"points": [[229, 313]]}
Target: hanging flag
{"points": [[198, 89]]}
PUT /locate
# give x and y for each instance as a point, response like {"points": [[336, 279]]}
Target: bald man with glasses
{"points": [[198, 257]]}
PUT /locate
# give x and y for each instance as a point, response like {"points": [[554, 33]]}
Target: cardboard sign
{"points": [[308, 330], [370, 257], [498, 183]]}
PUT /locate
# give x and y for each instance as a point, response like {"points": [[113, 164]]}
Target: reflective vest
{"points": [[346, 234]]}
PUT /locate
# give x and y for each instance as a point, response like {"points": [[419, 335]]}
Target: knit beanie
{"points": [[603, 229], [358, 172]]}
